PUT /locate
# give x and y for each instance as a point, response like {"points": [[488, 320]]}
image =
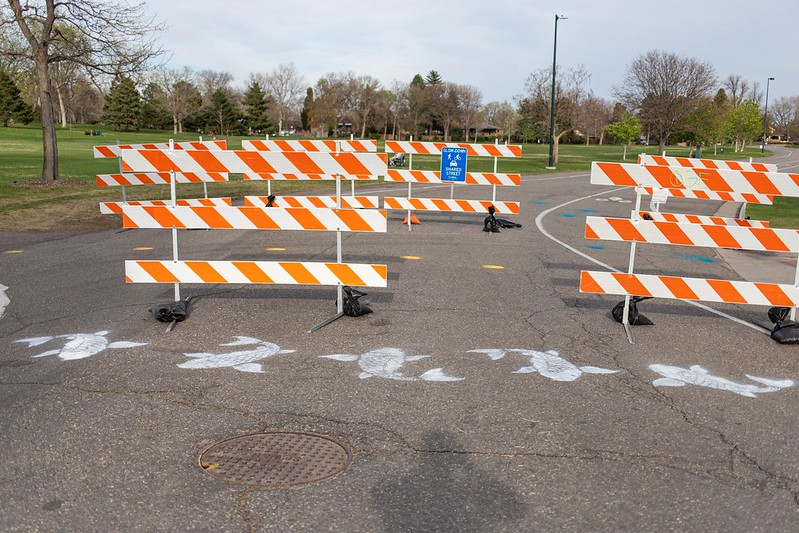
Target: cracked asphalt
{"points": [[110, 442]]}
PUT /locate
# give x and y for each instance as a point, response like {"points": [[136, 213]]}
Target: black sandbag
{"points": [[353, 305], [634, 317], [171, 312], [786, 331]]}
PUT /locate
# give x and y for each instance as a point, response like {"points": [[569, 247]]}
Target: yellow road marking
{"points": [[13, 252], [410, 257], [275, 249], [142, 248], [494, 267]]}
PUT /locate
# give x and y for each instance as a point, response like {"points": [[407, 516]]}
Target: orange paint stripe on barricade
{"points": [[721, 236], [260, 219], [252, 272], [205, 271], [301, 274], [679, 288], [632, 285], [775, 294], [726, 291], [769, 240], [674, 234], [158, 271], [212, 218]]}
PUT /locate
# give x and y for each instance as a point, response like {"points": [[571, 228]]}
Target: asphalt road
{"points": [[493, 441]]}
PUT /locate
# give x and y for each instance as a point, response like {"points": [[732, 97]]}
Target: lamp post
{"points": [[552, 103], [765, 118]]}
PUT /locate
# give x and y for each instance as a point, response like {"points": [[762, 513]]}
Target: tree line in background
{"points": [[68, 62]]}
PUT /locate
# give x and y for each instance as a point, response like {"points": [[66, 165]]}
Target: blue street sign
{"points": [[453, 164]]}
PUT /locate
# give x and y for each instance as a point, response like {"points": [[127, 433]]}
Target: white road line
{"points": [[539, 225]]}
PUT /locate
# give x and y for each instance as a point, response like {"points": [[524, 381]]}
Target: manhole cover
{"points": [[276, 459]]}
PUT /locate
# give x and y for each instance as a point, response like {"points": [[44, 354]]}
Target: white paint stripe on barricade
{"points": [[347, 202], [690, 162], [687, 234], [440, 204], [682, 288], [269, 272]]}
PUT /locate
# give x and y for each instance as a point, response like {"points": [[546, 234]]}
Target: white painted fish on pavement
{"points": [[241, 360], [79, 345], [549, 364], [387, 363], [4, 300], [675, 376]]}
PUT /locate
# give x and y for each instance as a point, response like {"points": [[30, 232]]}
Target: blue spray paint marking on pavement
{"points": [[538, 202], [595, 247], [692, 257], [567, 215], [586, 210]]}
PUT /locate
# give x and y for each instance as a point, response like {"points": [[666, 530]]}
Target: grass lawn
{"points": [[72, 204]]}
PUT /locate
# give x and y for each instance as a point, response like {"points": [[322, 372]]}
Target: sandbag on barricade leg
{"points": [[786, 331], [353, 305], [633, 316]]}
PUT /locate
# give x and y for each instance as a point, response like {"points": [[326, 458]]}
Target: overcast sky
{"points": [[490, 44]]}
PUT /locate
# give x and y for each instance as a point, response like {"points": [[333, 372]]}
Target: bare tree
{"points": [[286, 86], [596, 114], [785, 116], [471, 100], [102, 36], [210, 81], [182, 96], [571, 93], [665, 89], [502, 115], [365, 91]]}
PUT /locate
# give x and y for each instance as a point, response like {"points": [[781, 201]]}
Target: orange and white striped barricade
{"points": [[701, 219], [115, 150], [736, 237], [159, 178], [257, 218], [764, 199], [689, 162], [115, 208], [275, 218], [347, 202], [695, 179], [307, 145], [411, 176]]}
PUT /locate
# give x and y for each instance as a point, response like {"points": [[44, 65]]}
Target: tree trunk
{"points": [[49, 144], [62, 108]]}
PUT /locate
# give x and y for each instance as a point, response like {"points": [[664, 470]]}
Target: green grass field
{"points": [[72, 203]]}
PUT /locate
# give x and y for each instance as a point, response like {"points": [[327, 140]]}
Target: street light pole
{"points": [[765, 118], [552, 103]]}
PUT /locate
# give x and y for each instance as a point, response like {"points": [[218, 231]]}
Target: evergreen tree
{"points": [[154, 113], [307, 106], [123, 104], [433, 78], [256, 106], [12, 107], [222, 111]]}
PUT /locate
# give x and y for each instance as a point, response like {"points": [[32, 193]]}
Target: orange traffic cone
{"points": [[413, 218]]}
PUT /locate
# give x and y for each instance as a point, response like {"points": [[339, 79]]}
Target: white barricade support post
{"points": [[692, 230], [436, 148]]}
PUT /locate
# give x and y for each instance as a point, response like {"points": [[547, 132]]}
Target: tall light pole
{"points": [[765, 118], [552, 103]]}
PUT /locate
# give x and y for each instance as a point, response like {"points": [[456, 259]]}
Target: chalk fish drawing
{"points": [[387, 363], [79, 345], [242, 360], [549, 364], [675, 376], [4, 300]]}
